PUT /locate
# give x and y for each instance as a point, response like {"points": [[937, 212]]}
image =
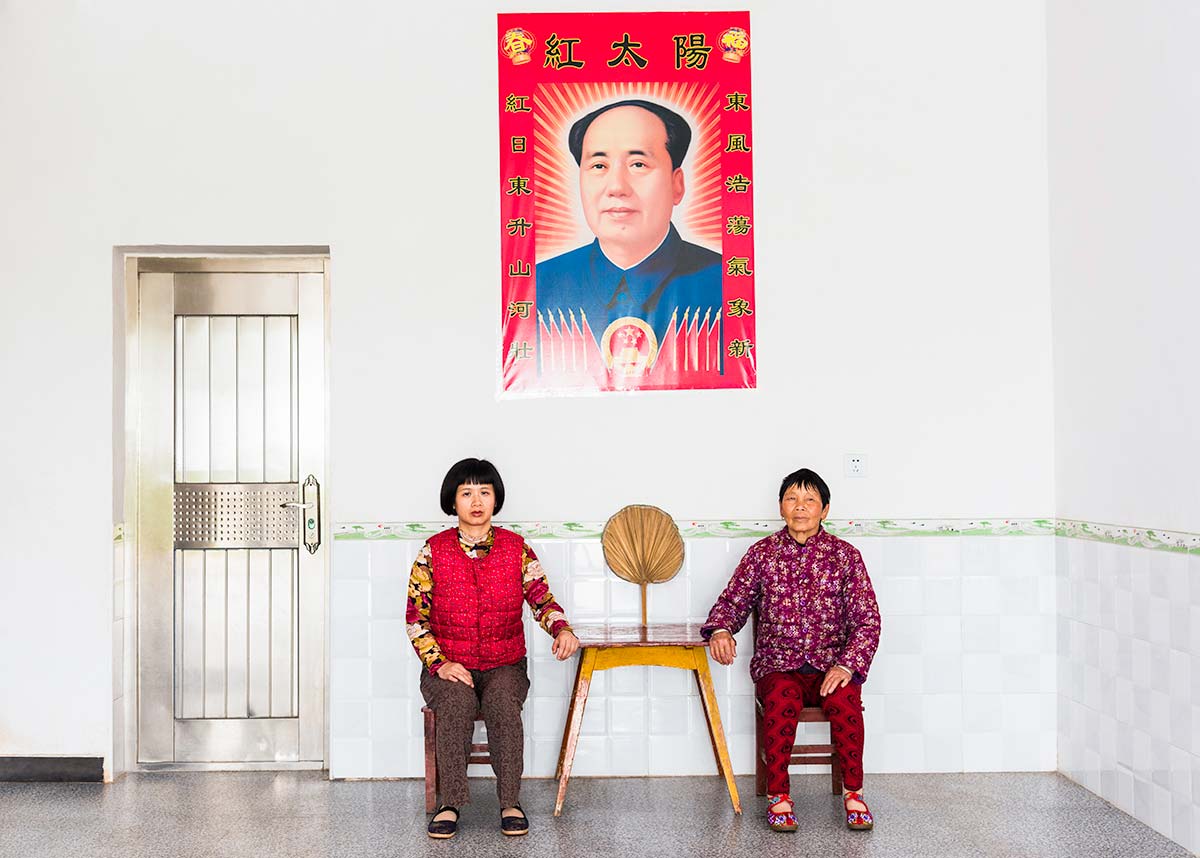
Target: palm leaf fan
{"points": [[642, 545]]}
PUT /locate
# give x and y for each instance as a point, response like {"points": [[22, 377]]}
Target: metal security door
{"points": [[231, 571]]}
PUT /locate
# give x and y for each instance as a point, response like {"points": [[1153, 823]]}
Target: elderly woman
{"points": [[818, 628], [465, 598]]}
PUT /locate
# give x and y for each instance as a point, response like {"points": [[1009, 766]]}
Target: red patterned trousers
{"points": [[783, 695]]}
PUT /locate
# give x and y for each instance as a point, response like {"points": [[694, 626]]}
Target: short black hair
{"points": [[805, 479], [471, 472], [679, 133]]}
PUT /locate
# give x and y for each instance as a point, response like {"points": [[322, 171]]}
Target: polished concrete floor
{"points": [[301, 814]]}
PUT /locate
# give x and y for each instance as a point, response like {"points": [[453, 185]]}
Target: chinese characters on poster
{"points": [[626, 202]]}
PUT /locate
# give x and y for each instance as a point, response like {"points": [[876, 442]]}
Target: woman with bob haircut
{"points": [[465, 598]]}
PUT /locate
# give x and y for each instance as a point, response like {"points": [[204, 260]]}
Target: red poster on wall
{"points": [[626, 202]]}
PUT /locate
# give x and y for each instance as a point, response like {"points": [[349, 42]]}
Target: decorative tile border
{"points": [[943, 527], [1138, 537], [720, 529]]}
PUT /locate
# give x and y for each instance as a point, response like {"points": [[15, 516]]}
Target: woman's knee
{"points": [[777, 686], [501, 707], [847, 698], [455, 701]]}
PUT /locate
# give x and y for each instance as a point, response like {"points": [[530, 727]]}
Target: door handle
{"points": [[310, 499], [296, 505]]}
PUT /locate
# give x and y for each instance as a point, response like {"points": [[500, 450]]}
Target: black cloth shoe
{"points": [[443, 829], [515, 826]]}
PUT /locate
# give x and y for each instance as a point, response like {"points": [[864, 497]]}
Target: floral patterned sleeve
{"points": [[546, 610], [420, 590], [736, 601], [862, 619]]}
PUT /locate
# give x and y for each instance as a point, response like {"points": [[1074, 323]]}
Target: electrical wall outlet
{"points": [[856, 465]]}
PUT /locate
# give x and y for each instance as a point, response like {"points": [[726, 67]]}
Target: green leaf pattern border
{"points": [[718, 529], [1179, 541]]}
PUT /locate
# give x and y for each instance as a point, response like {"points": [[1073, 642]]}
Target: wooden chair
{"points": [[479, 755], [809, 755]]}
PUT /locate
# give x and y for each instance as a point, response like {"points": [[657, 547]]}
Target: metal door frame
{"points": [[139, 533]]}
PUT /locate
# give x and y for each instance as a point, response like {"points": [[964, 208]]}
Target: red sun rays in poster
{"points": [[561, 225], [626, 193]]}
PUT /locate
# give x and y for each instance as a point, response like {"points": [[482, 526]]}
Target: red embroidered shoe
{"points": [[780, 821], [857, 818]]}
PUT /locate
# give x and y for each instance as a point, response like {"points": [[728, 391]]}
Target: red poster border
{"points": [[524, 42]]}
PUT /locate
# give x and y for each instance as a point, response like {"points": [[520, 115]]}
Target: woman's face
{"points": [[801, 508], [475, 504]]}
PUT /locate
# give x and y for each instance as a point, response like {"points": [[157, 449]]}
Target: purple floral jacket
{"points": [[815, 605]]}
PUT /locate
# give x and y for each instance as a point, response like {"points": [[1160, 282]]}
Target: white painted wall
{"points": [[901, 254], [1123, 134], [1124, 130], [902, 295]]}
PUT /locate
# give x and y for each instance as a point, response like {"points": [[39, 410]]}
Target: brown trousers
{"points": [[498, 694]]}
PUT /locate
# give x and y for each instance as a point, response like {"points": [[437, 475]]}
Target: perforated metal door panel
{"points": [[235, 515]]}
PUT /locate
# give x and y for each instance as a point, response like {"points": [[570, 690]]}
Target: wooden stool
{"points": [[813, 755], [479, 755]]}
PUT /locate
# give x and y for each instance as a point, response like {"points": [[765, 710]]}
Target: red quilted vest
{"points": [[475, 611]]}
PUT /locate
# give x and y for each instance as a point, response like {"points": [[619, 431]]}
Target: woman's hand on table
{"points": [[723, 647], [836, 677], [452, 671], [565, 644]]}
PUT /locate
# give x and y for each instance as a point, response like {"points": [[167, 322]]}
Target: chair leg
{"points": [[760, 765], [431, 784]]}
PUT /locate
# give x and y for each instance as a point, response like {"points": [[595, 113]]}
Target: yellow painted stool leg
{"points": [[562, 751], [708, 697], [578, 701]]}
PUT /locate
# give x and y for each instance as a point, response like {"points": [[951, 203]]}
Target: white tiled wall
{"points": [[1129, 675], [964, 680]]}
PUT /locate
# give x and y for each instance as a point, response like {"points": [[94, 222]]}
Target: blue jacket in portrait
{"points": [[676, 277]]}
